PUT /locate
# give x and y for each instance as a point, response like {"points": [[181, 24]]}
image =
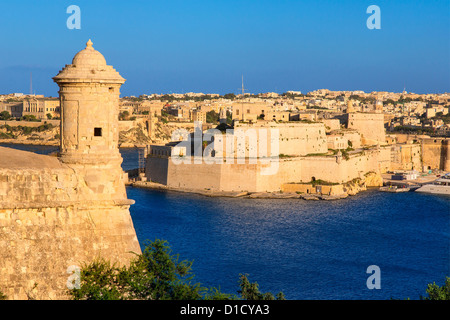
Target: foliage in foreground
{"points": [[438, 293], [155, 274]]}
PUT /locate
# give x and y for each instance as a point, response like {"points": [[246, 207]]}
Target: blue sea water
{"points": [[306, 249]]}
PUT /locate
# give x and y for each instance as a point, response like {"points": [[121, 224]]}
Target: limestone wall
{"points": [[249, 177], [436, 153], [406, 157], [54, 215], [295, 138], [370, 125], [38, 245], [58, 185], [331, 124], [29, 123], [309, 188]]}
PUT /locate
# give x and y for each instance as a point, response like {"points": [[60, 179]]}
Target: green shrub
{"points": [[156, 274], [438, 293]]}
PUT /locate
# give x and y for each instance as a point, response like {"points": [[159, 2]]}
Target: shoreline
{"points": [[238, 194], [55, 143], [31, 142]]}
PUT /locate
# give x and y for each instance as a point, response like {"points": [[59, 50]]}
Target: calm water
{"points": [[307, 249]]}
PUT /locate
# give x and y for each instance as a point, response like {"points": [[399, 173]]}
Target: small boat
{"points": [[394, 189]]}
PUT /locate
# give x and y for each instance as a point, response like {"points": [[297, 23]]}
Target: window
{"points": [[97, 132]]}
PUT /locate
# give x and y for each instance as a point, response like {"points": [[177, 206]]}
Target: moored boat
{"points": [[395, 189], [438, 186]]}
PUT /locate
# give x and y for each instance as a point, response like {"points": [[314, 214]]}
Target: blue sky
{"points": [[205, 46]]}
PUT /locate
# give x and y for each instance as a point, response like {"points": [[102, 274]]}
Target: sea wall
{"points": [[313, 189], [264, 177]]}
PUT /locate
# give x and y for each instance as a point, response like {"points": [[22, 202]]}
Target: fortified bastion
{"points": [[58, 213]]}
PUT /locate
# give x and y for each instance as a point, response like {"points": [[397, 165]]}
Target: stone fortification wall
{"points": [[40, 245], [29, 123], [436, 153], [370, 125], [248, 177], [53, 216], [295, 138]]}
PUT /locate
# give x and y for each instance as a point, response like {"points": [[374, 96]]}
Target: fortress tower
{"points": [[369, 124], [57, 214], [89, 94]]}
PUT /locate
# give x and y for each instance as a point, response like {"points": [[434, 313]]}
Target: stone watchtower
{"points": [[57, 214], [89, 94]]}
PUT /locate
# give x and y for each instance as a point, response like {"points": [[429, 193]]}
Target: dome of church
{"points": [[89, 57]]}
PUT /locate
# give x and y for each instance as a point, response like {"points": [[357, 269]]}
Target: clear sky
{"points": [[205, 46]]}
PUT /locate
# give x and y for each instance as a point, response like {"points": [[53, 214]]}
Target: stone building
{"points": [[15, 109], [58, 213], [41, 107]]}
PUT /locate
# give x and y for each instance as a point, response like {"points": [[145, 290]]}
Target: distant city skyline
{"points": [[176, 46]]}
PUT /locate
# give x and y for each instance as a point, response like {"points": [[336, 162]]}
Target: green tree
{"points": [[212, 116], [230, 96], [124, 115], [4, 115], [250, 291], [29, 117]]}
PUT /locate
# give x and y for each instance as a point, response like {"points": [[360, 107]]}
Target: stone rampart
{"points": [[53, 216]]}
